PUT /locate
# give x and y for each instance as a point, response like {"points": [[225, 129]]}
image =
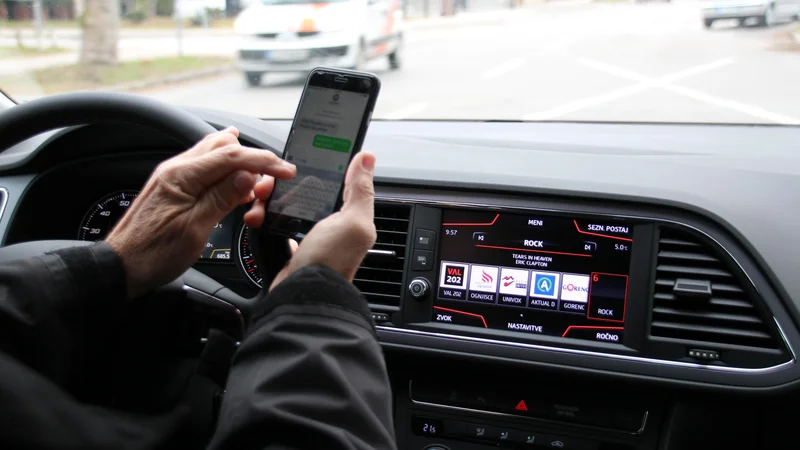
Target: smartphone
{"points": [[328, 129]]}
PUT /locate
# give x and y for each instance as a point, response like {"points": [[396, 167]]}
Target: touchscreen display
{"points": [[322, 140], [534, 274]]}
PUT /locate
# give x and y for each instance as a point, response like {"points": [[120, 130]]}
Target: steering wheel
{"points": [[30, 119], [81, 108]]}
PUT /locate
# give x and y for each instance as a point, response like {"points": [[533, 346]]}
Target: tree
{"points": [[100, 32]]}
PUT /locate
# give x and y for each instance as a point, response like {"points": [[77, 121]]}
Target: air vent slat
{"points": [[381, 279], [687, 256], [720, 332], [677, 242], [725, 315], [690, 271], [704, 316]]}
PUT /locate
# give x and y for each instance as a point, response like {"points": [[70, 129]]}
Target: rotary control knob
{"points": [[419, 288]]}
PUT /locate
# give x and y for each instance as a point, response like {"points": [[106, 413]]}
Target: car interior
{"points": [[587, 286]]}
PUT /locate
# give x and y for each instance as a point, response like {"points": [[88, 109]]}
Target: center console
{"points": [[535, 288]]}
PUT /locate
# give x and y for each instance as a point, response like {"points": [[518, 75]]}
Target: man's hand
{"points": [[169, 223], [341, 240]]}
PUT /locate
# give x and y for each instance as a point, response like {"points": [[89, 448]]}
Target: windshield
{"points": [[702, 61]]}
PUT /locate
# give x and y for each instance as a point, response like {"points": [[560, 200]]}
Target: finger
{"points": [[249, 197], [293, 246], [359, 192], [213, 141], [263, 188], [212, 167], [255, 217], [224, 196]]}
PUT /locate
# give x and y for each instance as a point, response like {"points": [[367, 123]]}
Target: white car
{"points": [[298, 35], [767, 12]]}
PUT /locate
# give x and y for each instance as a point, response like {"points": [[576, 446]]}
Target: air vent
{"points": [[380, 277], [699, 298]]}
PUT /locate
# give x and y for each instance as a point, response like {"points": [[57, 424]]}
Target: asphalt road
{"points": [[562, 60]]}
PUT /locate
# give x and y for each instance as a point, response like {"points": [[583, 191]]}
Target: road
{"points": [[561, 60]]}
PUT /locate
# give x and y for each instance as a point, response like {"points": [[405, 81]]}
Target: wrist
{"points": [[133, 283]]}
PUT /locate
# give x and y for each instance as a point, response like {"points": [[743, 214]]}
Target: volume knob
{"points": [[419, 288]]}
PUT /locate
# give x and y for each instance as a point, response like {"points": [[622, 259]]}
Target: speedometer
{"points": [[246, 258], [104, 214]]}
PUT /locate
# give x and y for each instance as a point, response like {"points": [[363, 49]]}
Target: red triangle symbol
{"points": [[521, 406]]}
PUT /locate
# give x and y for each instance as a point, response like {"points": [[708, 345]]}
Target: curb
{"points": [[152, 82]]}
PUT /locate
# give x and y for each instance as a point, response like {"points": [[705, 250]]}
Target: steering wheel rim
{"points": [[24, 121]]}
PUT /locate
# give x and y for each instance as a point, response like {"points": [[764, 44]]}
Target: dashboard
{"points": [[587, 286]]}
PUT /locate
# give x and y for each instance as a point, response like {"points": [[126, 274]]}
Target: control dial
{"points": [[419, 288]]}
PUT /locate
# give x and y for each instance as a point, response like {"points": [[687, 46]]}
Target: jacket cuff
{"points": [[314, 285], [94, 270]]}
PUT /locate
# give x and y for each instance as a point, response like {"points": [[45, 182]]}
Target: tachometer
{"points": [[104, 214], [246, 258]]}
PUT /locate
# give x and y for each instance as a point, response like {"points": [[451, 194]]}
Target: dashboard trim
{"points": [[575, 351], [3, 201], [727, 369]]}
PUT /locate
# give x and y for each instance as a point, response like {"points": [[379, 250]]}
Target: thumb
{"points": [[226, 195], [359, 190]]}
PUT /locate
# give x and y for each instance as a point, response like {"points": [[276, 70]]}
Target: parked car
{"points": [[298, 35], [766, 12]]}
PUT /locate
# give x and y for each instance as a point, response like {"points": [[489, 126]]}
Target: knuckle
{"points": [[364, 233], [365, 187], [233, 152], [167, 170]]}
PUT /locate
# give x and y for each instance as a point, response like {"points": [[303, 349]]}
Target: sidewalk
{"points": [[142, 44]]}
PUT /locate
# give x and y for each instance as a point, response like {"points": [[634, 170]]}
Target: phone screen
{"points": [[320, 145]]}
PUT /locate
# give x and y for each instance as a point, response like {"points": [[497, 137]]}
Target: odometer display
{"points": [[104, 214], [246, 258]]}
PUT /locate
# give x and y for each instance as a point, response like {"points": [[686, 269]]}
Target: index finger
{"points": [[213, 167]]}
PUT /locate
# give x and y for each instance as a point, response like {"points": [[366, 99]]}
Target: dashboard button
{"points": [[480, 401], [424, 239], [422, 260], [419, 288], [520, 405], [481, 431], [563, 443]]}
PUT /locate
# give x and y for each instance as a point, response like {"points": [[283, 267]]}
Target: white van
{"points": [[298, 35]]}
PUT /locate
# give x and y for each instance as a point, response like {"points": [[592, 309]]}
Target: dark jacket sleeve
{"points": [[56, 319], [310, 373], [57, 310]]}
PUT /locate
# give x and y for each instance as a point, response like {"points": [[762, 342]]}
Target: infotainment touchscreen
{"points": [[532, 273]]}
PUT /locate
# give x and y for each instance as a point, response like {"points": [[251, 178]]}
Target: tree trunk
{"points": [[100, 32], [151, 8]]}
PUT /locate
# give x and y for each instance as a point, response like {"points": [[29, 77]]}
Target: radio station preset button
{"points": [[607, 296], [540, 303], [573, 307], [446, 293], [545, 285]]}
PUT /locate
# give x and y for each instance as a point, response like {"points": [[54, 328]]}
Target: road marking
{"points": [[671, 78], [750, 110], [664, 82], [504, 68], [588, 102], [406, 112]]}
